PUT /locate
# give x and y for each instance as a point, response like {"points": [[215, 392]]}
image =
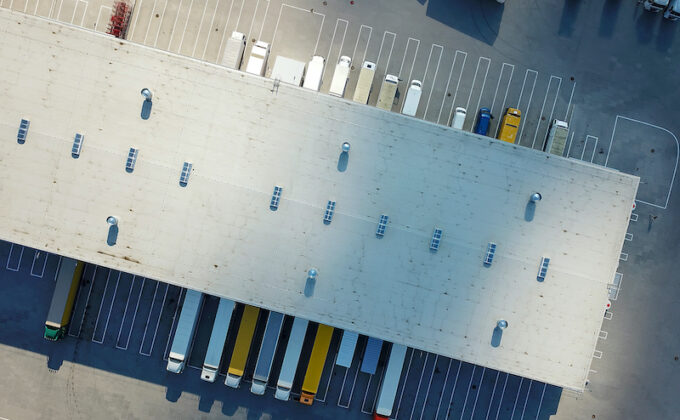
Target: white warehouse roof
{"points": [[243, 136]]}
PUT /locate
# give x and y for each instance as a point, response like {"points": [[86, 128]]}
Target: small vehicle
{"points": [[510, 125], [459, 118], [483, 121]]}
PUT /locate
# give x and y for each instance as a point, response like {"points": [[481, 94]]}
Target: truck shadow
{"points": [[482, 22]]}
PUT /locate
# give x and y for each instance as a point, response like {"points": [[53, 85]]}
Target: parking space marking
{"points": [[330, 47], [441, 396], [597, 354], [519, 101], [252, 21], [420, 382], [351, 392], [493, 392], [172, 325], [368, 387], [160, 24], [137, 8], [624, 256], [9, 258], [87, 301], [403, 386], [500, 401], [434, 78], [370, 32], [540, 115], [108, 316], [56, 273], [479, 387], [39, 255], [507, 88], [200, 26], [467, 393], [453, 391], [571, 141], [139, 297], [519, 391], [408, 42], [174, 25], [677, 155], [633, 217], [540, 403], [603, 335], [474, 80], [585, 146], [382, 43], [429, 385], [446, 90], [158, 321], [264, 19], [224, 33], [99, 16], [566, 115], [148, 26], [524, 408], [323, 19], [184, 31]]}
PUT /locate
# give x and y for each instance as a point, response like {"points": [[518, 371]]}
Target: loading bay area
{"points": [[430, 379]]}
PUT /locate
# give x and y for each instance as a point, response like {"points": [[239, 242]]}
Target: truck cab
{"points": [[282, 392], [655, 5], [175, 363], [257, 64], [510, 125], [672, 10]]}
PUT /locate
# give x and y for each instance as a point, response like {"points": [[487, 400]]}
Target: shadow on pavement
{"points": [[483, 22]]}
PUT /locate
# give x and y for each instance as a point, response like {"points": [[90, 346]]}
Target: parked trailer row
{"points": [[61, 307]]}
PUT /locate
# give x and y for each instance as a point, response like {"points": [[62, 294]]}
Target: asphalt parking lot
{"points": [[605, 67]]}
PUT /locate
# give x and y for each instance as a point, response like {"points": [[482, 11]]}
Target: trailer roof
{"points": [[244, 135]]}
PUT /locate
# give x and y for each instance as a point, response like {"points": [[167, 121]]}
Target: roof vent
{"points": [[436, 239], [536, 197], [23, 131], [345, 147]]}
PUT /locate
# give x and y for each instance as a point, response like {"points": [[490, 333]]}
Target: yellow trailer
{"points": [[242, 347], [316, 363], [59, 315], [510, 125]]}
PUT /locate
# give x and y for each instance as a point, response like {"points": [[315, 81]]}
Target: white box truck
{"points": [[363, 89], [314, 73], [257, 63], [213, 356], [291, 359], [339, 81], [388, 90], [388, 388], [557, 138], [412, 100], [266, 355], [233, 51], [288, 70], [186, 326]]}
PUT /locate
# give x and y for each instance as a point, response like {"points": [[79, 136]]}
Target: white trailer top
{"points": [[219, 235]]}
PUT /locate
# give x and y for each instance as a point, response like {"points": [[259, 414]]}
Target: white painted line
{"points": [[481, 91], [37, 4], [252, 21], [526, 399], [500, 402], [127, 302], [403, 60], [148, 317], [479, 389], [134, 316], [370, 32], [160, 24], [429, 385], [507, 88], [264, 19], [401, 394], [597, 354], [493, 392], [9, 257], [394, 37], [108, 317], [453, 390], [330, 376], [526, 112], [174, 25], [592, 156], [158, 321], [420, 382], [519, 390], [571, 141], [184, 31], [624, 256], [585, 145], [633, 217], [87, 302], [603, 335], [138, 8], [323, 19], [49, 14], [608, 315], [677, 155], [552, 110], [566, 115], [73, 15], [474, 79], [99, 15], [434, 78], [363, 402], [238, 20], [148, 25], [328, 56], [200, 26], [35, 257], [82, 19], [351, 392], [540, 403], [61, 4], [467, 393], [101, 304], [441, 395], [172, 325], [56, 273], [446, 90], [224, 32]]}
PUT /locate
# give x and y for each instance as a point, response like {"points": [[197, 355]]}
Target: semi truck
{"points": [[347, 346], [369, 363], [557, 138], [388, 90], [266, 355], [291, 359], [288, 70], [186, 326], [316, 363], [213, 356], [233, 51], [314, 73], [61, 307], [363, 89], [388, 388], [257, 63], [339, 81], [412, 100], [244, 338]]}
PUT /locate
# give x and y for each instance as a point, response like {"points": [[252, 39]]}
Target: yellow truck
{"points": [[510, 125], [59, 315], [316, 363], [244, 338]]}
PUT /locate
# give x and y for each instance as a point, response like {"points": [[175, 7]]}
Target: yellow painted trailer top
{"points": [[245, 336], [316, 363], [510, 125]]}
